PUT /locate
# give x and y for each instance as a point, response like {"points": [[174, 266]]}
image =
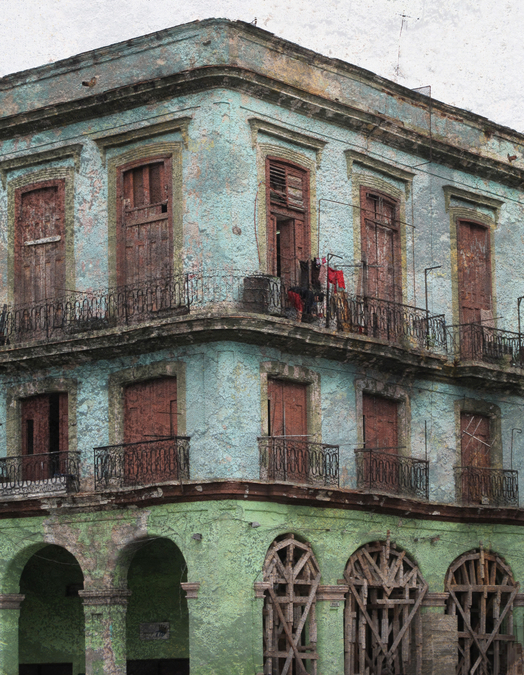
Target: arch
{"points": [[291, 576], [383, 630], [482, 591], [52, 625], [157, 620]]}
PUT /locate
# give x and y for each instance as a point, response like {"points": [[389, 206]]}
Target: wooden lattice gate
{"points": [[383, 631], [291, 576], [481, 593]]}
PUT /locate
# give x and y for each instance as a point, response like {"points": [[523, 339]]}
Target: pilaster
{"points": [[9, 617]]}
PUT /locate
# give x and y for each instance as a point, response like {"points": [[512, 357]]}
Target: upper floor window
{"points": [[381, 250], [288, 234], [39, 242], [145, 221], [474, 272]]}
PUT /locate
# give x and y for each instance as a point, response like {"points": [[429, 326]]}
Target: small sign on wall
{"points": [[154, 631]]}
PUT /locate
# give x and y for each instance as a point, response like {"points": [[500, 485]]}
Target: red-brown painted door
{"points": [[475, 440], [145, 232], [287, 407], [474, 271], [45, 429], [380, 236], [150, 416], [288, 234], [40, 242], [380, 423]]}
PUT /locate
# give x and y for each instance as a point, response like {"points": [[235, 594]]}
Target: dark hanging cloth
{"points": [[315, 271], [304, 273]]}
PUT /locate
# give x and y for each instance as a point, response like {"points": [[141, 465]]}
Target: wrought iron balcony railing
{"points": [[490, 487], [285, 458], [476, 342], [384, 470], [390, 321], [43, 473], [145, 463]]}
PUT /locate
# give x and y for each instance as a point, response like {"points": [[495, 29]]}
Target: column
{"points": [[330, 627], [9, 617], [439, 636], [105, 631]]}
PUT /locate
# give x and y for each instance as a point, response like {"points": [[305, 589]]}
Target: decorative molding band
{"points": [[114, 139], [107, 596], [260, 588], [11, 600], [435, 600], [473, 197], [282, 133], [386, 168], [34, 159], [191, 588], [333, 593]]}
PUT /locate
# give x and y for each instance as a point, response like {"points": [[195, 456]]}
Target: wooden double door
{"points": [[380, 430]]}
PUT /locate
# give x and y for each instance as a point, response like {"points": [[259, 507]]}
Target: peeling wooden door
{"points": [[45, 433], [288, 233], [150, 417], [145, 227], [380, 423], [474, 271], [290, 629], [287, 408], [39, 242], [382, 627], [481, 594], [475, 440], [381, 251]]}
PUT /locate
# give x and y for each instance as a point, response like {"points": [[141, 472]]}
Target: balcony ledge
{"points": [[258, 491]]}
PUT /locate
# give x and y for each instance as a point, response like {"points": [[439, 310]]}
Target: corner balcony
{"points": [[130, 465], [403, 325], [384, 470], [297, 460], [42, 475], [487, 487], [477, 342]]}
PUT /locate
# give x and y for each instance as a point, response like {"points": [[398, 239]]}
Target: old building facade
{"points": [[262, 367]]}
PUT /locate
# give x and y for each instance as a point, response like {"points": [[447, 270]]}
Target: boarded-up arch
{"points": [[291, 577], [481, 593], [382, 628]]}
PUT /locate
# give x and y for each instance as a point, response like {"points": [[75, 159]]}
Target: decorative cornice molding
{"points": [[106, 596], [435, 600], [473, 197], [284, 134], [386, 168], [260, 588], [335, 593], [113, 139], [11, 600], [35, 158], [191, 588]]}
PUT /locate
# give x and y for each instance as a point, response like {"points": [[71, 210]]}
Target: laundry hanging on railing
{"points": [[336, 277]]}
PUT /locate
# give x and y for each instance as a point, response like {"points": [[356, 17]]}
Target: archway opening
{"points": [[157, 611], [51, 629]]}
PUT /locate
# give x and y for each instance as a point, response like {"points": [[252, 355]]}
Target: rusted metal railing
{"points": [[298, 460], [40, 473], [491, 487], [384, 470], [476, 342], [143, 463]]}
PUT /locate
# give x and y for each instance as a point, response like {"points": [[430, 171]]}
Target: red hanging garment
{"points": [[336, 276]]}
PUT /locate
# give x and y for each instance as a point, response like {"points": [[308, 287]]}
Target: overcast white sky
{"points": [[470, 51]]}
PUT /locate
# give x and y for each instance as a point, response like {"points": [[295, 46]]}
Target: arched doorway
{"points": [[51, 633], [292, 576], [383, 631], [481, 594], [157, 612]]}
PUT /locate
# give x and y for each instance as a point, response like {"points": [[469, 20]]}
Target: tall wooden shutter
{"points": [[40, 242], [35, 425], [475, 440], [474, 271], [288, 408], [380, 423], [145, 228], [150, 410], [288, 228], [380, 234]]}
